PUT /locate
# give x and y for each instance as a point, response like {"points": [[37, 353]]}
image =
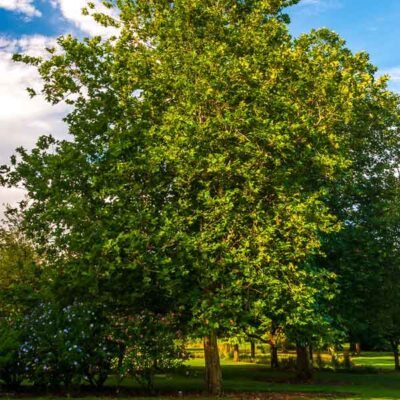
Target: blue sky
{"points": [[370, 25], [366, 25], [31, 25], [15, 23]]}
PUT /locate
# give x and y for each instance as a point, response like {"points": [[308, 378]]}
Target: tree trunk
{"points": [[236, 355], [358, 348], [395, 349], [252, 350], [273, 349], [346, 359], [224, 350], [352, 348], [274, 355], [311, 355], [121, 355], [303, 370], [213, 375]]}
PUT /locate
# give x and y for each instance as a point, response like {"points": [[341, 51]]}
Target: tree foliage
{"points": [[206, 146]]}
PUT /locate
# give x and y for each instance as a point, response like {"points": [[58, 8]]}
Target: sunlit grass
{"points": [[380, 383], [376, 360], [253, 376]]}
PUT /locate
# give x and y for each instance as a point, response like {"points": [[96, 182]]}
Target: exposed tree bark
{"points": [[273, 348], [236, 354], [274, 357], [358, 348], [213, 374], [395, 349], [303, 370], [311, 355], [272, 339], [252, 349]]}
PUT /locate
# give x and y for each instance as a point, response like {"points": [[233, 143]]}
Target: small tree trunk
{"points": [[274, 356], [352, 348], [213, 375], [236, 355], [396, 360], [121, 355], [311, 355], [347, 359], [303, 370], [358, 348], [320, 363], [273, 349], [395, 349], [252, 350], [224, 350]]}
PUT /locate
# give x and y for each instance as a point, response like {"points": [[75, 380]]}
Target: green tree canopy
{"points": [[205, 141]]}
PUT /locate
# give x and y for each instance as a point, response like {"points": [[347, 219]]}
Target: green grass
{"points": [[245, 377], [250, 377], [374, 359]]}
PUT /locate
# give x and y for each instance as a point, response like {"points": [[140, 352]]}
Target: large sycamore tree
{"points": [[204, 142]]}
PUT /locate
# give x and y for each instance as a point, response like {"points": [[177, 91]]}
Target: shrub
{"points": [[64, 345], [12, 370], [151, 343]]}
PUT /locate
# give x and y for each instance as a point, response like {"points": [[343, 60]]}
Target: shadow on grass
{"points": [[241, 381]]}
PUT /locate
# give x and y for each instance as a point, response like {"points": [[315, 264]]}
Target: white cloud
{"points": [[72, 11], [22, 6], [394, 74], [23, 120], [313, 7]]}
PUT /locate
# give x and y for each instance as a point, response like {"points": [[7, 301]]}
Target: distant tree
{"points": [[366, 257], [364, 254], [20, 277], [20, 272]]}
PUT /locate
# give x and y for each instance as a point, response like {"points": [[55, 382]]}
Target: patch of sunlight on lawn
{"points": [[378, 360]]}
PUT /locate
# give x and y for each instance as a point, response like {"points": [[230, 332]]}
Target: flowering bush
{"points": [[65, 345], [53, 346]]}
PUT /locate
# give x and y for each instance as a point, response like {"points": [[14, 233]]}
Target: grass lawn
{"points": [[375, 359], [242, 378], [249, 377], [253, 377]]}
